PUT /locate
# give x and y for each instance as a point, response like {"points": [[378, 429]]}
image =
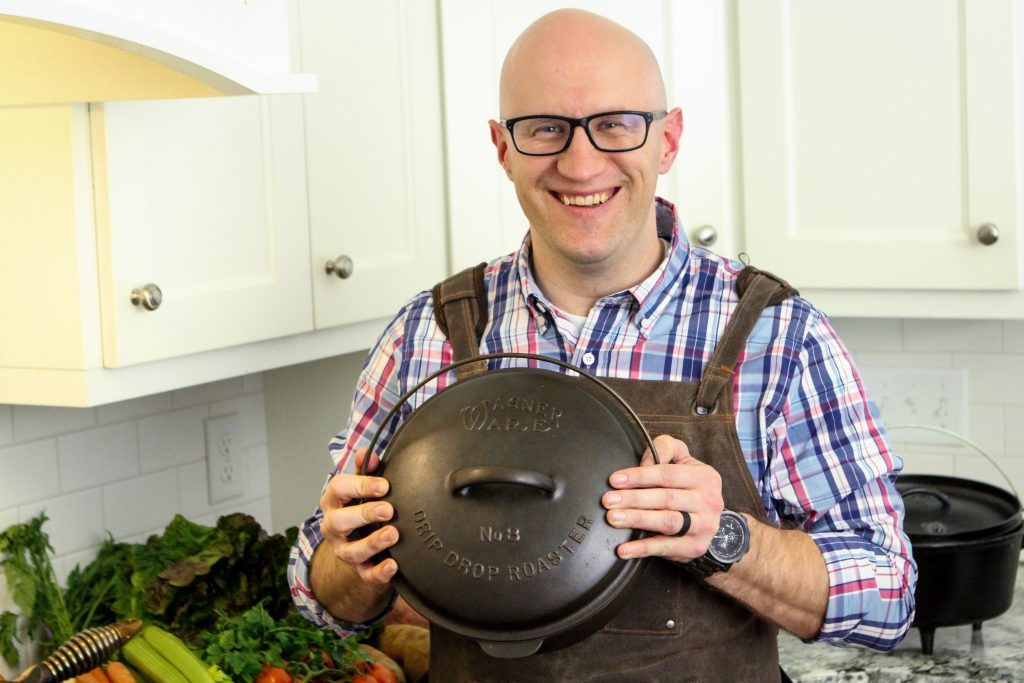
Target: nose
{"points": [[581, 160]]}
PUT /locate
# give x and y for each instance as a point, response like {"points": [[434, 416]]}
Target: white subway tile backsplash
{"points": [[903, 360], [74, 522], [98, 456], [135, 408], [37, 422], [977, 468], [993, 378], [7, 518], [208, 393], [194, 494], [986, 428], [172, 439], [6, 426], [259, 509], [252, 415], [141, 504], [1013, 437], [253, 383], [257, 461], [1013, 336], [964, 336], [28, 472], [869, 334], [925, 462]]}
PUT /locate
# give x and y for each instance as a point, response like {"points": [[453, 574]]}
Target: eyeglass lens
{"points": [[609, 133]]}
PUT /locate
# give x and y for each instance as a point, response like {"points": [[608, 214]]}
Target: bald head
{"points": [[570, 58]]}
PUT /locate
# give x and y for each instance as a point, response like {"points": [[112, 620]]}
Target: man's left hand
{"points": [[655, 497]]}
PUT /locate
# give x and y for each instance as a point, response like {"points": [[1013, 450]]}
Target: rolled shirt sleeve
{"points": [[377, 391], [833, 474]]}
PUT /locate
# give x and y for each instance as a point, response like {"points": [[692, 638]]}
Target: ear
{"points": [[672, 131], [500, 140]]}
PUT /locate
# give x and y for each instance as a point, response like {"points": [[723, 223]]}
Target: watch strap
{"points": [[706, 565]]}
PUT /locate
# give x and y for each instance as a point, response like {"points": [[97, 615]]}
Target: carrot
{"points": [[99, 676], [119, 673], [86, 678]]}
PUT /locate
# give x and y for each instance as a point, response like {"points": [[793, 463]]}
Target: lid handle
{"points": [[929, 492], [485, 475]]}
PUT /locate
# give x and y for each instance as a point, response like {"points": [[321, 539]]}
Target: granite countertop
{"points": [[995, 654]]}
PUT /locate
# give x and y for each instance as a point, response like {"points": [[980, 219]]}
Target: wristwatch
{"points": [[728, 546]]}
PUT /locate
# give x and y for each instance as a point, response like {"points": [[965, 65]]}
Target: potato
{"points": [[409, 646], [377, 656]]}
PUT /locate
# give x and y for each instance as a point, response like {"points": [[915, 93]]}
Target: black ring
{"points": [[686, 524]]}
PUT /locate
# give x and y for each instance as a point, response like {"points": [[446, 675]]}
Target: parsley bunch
{"points": [[242, 644]]}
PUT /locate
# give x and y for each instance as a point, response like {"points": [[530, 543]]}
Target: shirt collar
{"points": [[648, 297]]}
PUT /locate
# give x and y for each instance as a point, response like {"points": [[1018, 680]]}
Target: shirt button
{"points": [[670, 624], [541, 307], [588, 359]]}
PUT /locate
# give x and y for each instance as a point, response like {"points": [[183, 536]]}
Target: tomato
{"points": [[363, 678], [273, 674], [382, 674]]}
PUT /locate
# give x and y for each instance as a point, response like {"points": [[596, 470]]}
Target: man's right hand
{"points": [[345, 578], [341, 519]]}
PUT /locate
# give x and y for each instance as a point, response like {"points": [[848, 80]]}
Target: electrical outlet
{"points": [[937, 398], [225, 466]]}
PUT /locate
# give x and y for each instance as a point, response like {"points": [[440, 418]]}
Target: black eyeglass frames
{"points": [[610, 131]]}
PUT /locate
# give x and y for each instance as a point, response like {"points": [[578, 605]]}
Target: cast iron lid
{"points": [[940, 508], [496, 483]]}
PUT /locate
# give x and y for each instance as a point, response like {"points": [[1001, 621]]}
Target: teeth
{"points": [[584, 200]]}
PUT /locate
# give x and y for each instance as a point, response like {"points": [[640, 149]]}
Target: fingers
{"points": [[343, 521], [344, 488], [653, 497], [361, 456]]}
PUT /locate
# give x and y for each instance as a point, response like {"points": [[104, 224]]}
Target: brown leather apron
{"points": [[674, 627]]}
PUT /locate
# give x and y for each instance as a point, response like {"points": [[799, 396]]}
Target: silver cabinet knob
{"points": [[705, 235], [341, 266], [149, 297], [988, 234]]}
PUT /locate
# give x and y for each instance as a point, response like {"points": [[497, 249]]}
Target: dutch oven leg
{"points": [[927, 640], [977, 641]]}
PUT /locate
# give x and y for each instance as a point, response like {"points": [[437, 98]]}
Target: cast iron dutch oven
{"points": [[966, 538], [496, 482]]}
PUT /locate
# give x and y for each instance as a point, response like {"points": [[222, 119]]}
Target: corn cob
{"points": [[177, 653], [141, 655]]}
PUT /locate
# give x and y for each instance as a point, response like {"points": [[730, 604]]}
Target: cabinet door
{"points": [[373, 143], [204, 199], [879, 137]]}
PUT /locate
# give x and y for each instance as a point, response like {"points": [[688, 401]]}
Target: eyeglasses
{"points": [[612, 131]]}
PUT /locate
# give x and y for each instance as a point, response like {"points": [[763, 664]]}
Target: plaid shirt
{"points": [[811, 436]]}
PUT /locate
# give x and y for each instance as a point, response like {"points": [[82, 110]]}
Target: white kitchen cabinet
{"points": [[232, 207], [205, 200], [880, 140], [855, 148], [687, 37], [62, 51], [375, 155]]}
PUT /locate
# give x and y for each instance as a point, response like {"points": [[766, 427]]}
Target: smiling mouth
{"points": [[594, 199]]}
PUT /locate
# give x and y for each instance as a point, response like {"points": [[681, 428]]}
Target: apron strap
{"points": [[757, 289], [460, 309]]}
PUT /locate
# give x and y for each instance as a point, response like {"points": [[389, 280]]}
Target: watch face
{"points": [[730, 541]]}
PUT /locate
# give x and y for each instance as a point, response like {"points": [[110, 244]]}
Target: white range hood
{"points": [[61, 51]]}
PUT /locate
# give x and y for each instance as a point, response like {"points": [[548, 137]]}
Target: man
{"points": [[606, 280]]}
